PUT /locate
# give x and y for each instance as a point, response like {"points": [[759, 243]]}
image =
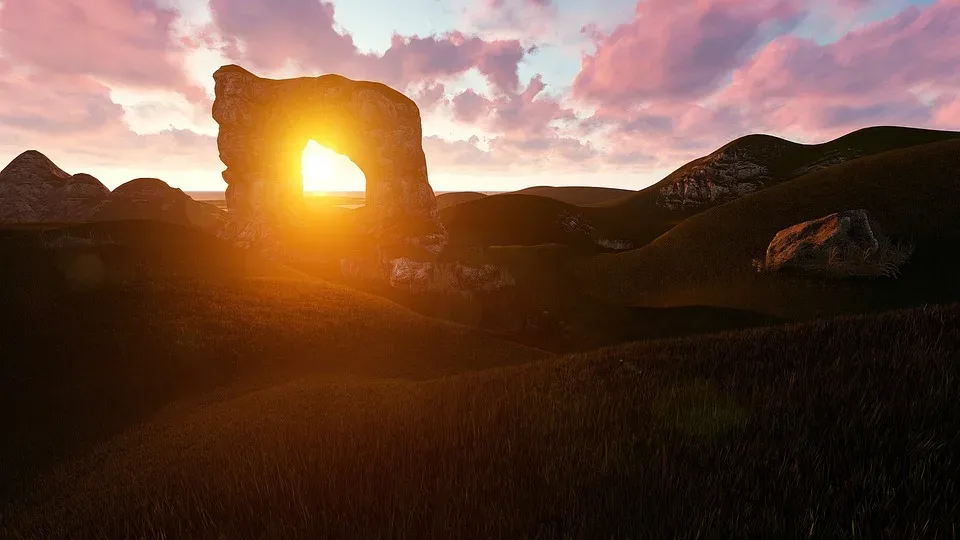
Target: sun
{"points": [[325, 171]]}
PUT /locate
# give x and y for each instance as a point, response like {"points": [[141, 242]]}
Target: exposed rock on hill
{"points": [[844, 244], [34, 189], [153, 199], [718, 178], [843, 235]]}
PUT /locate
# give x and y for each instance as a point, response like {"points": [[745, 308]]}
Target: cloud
{"points": [[269, 34], [71, 118], [893, 71], [678, 50], [129, 42]]}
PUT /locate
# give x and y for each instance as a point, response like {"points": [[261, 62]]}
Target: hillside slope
{"points": [[578, 195], [97, 337], [745, 435], [456, 197], [755, 162], [914, 193], [516, 219], [743, 166]]}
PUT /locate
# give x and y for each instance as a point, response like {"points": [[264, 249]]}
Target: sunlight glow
{"points": [[325, 171]]}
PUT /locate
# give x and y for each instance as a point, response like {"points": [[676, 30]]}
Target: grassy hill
{"points": [[841, 428], [784, 160], [578, 195], [456, 197], [914, 193], [638, 218], [516, 219], [96, 338]]}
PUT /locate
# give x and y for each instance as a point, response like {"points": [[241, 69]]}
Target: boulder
{"points": [[34, 189], [265, 125], [840, 240], [154, 199]]}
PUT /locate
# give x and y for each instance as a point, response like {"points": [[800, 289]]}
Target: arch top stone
{"points": [[266, 123]]}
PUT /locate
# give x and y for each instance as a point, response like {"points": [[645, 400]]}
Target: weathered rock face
{"points": [[154, 199], [842, 238], [34, 189], [716, 179], [265, 124]]}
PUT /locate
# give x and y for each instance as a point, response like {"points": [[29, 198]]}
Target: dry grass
{"points": [[846, 428]]}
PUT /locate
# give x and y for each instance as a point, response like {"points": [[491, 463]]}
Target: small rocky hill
{"points": [[34, 189], [154, 199]]}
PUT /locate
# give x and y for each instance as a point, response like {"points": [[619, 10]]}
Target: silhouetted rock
{"points": [[34, 189], [265, 124], [153, 199], [838, 240]]}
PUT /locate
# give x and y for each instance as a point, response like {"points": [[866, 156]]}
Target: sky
{"points": [[512, 93]]}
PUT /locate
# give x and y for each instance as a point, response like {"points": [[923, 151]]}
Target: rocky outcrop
{"points": [[33, 189], [846, 243], [716, 179], [430, 276], [265, 124], [154, 199]]}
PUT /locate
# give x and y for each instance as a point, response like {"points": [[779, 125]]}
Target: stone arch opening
{"points": [[265, 125], [325, 172]]}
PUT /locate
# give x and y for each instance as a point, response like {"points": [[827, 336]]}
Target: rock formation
{"points": [[152, 198], [845, 243], [265, 124], [34, 189], [715, 179]]}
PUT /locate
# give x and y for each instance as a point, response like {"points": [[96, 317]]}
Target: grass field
{"points": [[843, 428], [158, 382]]}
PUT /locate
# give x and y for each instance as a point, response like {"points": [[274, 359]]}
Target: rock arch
{"points": [[265, 124]]}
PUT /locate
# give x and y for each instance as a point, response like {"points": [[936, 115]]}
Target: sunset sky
{"points": [[512, 92]]}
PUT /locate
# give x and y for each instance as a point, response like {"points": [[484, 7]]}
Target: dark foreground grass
{"points": [[96, 338], [847, 428]]}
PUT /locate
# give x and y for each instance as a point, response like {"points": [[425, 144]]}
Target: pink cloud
{"points": [[128, 42], [430, 95], [678, 49], [529, 111], [266, 34], [72, 118], [469, 106], [887, 72]]}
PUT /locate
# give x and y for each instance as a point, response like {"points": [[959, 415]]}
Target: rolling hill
{"points": [[750, 434], [516, 219], [106, 323], [743, 166], [456, 197], [578, 195], [706, 260]]}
